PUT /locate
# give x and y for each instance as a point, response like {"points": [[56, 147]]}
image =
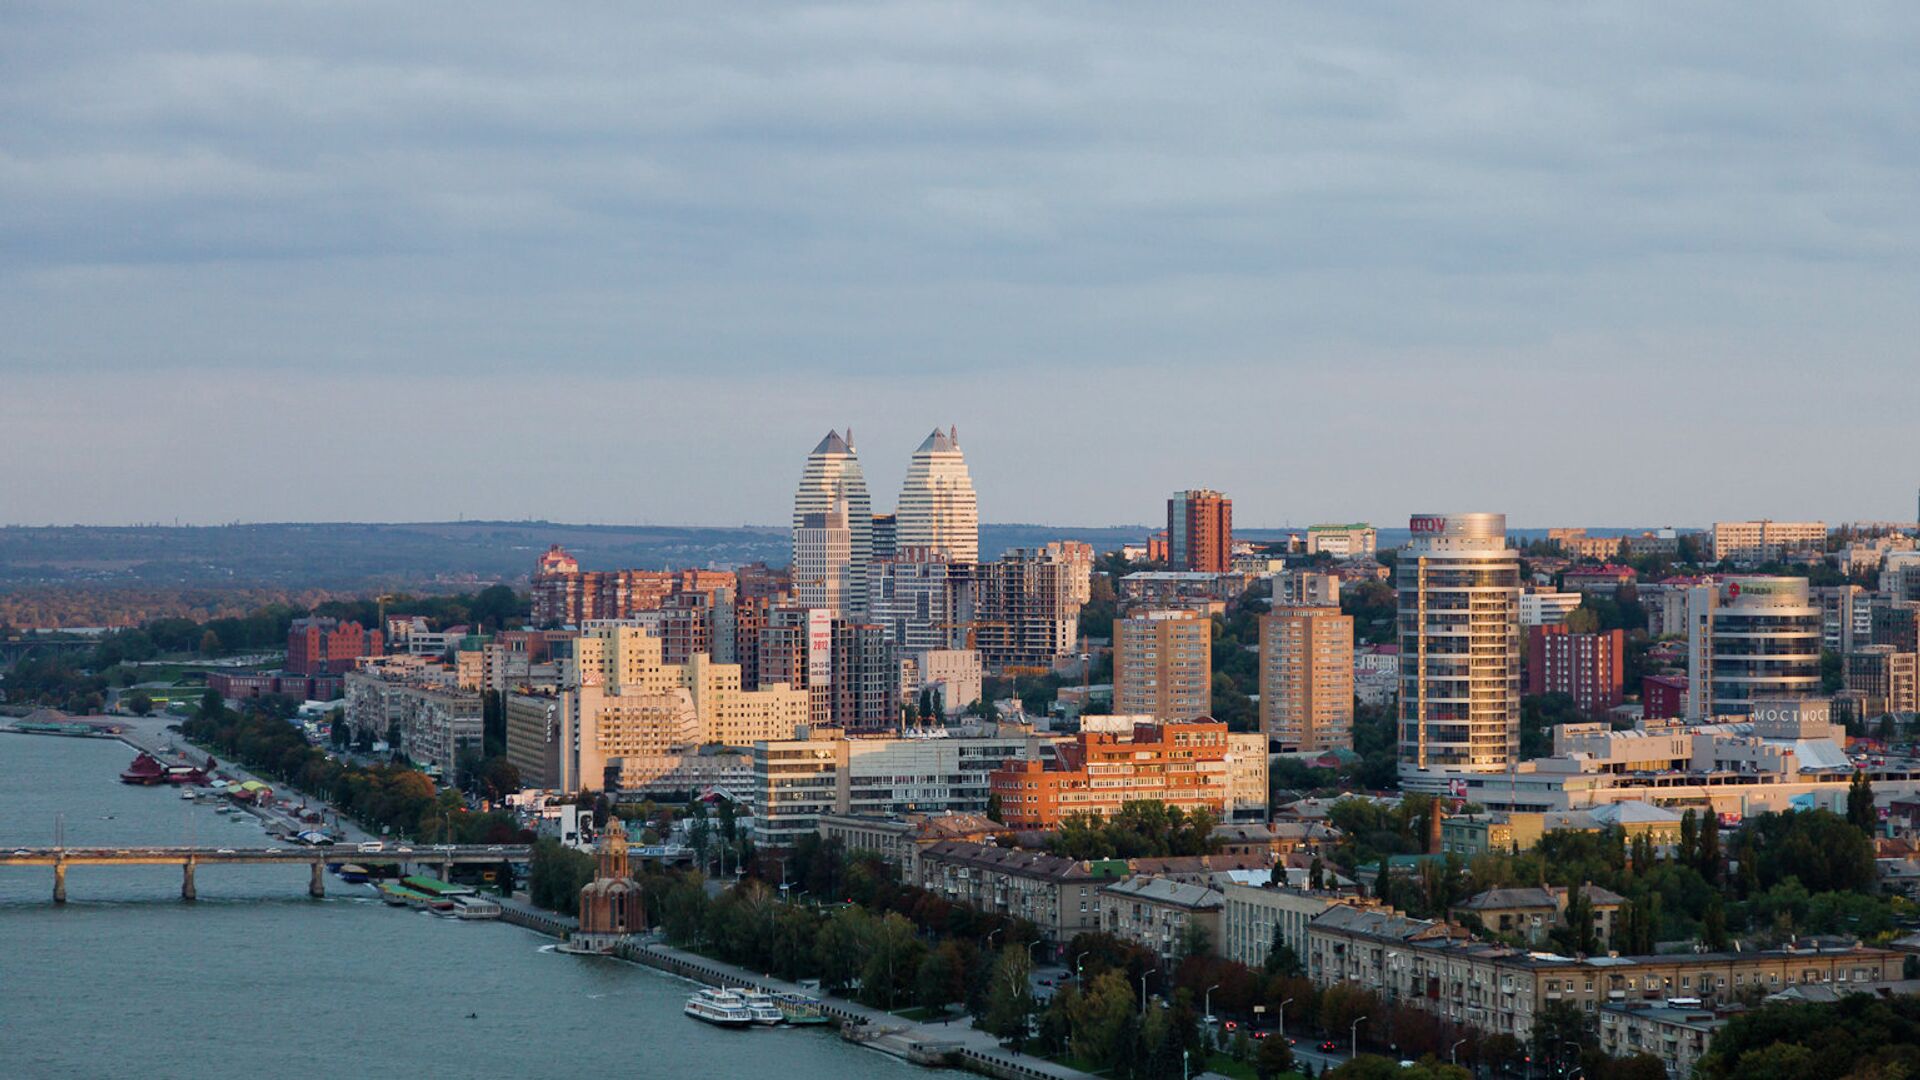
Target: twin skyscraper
{"points": [[837, 537]]}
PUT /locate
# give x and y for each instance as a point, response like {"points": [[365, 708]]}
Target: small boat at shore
{"points": [[401, 896], [351, 872], [800, 1010], [761, 1005], [721, 1008]]}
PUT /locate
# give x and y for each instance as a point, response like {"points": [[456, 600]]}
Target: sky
{"points": [[1633, 264]]}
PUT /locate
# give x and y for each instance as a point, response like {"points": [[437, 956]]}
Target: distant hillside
{"points": [[350, 555]]}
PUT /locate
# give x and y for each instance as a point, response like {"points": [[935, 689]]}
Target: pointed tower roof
{"points": [[940, 442], [832, 444]]}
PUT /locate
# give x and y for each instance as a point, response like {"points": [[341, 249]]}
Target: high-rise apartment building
{"points": [[1163, 665], [921, 597], [823, 561], [1200, 531], [866, 678], [1750, 638], [1590, 668], [565, 595], [1026, 605], [1882, 679], [832, 478], [1755, 542], [938, 511], [1459, 597], [620, 703], [1306, 678], [1846, 616]]}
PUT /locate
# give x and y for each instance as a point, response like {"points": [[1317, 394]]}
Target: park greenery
{"points": [[78, 681], [1859, 1037], [1145, 828]]}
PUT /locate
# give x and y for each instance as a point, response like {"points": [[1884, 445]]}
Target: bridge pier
{"points": [[59, 883], [187, 891], [317, 885]]}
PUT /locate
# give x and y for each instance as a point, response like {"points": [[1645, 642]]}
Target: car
{"points": [[1233, 1025], [21, 851], [404, 849], [1046, 982], [1261, 1034], [495, 847], [1328, 1046], [373, 847], [224, 851]]}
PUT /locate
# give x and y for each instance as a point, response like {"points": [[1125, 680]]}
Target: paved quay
{"points": [[890, 1034]]}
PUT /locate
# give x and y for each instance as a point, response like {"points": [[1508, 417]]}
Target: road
{"points": [[150, 733]]}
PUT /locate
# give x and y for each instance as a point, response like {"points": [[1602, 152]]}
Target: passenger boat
{"points": [[798, 1009], [761, 1005], [475, 907], [401, 896], [721, 1008], [352, 873]]}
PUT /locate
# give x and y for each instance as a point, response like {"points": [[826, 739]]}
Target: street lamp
{"points": [[990, 937], [1453, 1052], [1283, 1017], [1354, 1036], [1076, 968], [1209, 1005], [1031, 962]]}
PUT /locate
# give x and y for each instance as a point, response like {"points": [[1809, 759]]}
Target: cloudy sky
{"points": [[625, 262]]}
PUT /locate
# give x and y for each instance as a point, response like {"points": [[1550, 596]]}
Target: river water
{"points": [[255, 980]]}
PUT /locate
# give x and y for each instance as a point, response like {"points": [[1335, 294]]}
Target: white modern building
{"points": [[1765, 541], [823, 560], [1343, 541], [938, 510], [1748, 638], [1547, 608], [832, 476], [1459, 591]]}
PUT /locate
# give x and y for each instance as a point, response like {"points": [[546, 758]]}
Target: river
{"points": [[257, 980]]}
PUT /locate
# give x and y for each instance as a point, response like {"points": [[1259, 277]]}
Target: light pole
{"points": [[1283, 1017], [1143, 995], [1354, 1037], [1209, 1006], [991, 936], [1076, 969], [1453, 1052]]}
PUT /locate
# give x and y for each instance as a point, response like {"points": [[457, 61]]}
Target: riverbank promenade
{"points": [[886, 1032]]}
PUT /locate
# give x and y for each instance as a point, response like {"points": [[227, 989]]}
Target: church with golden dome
{"points": [[611, 906]]}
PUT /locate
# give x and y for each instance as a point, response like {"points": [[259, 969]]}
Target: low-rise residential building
{"points": [[1343, 541], [1504, 831], [1530, 914], [1252, 916], [1497, 989], [1055, 893], [1162, 916], [897, 840], [1677, 1032]]}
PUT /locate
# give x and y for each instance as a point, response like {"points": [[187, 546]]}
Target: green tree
{"points": [[1010, 996], [1560, 1024], [1860, 810], [1281, 959], [140, 703], [1713, 929], [1273, 1058], [1100, 1019]]}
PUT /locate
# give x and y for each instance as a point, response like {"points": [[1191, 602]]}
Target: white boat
{"points": [[765, 1010], [475, 907], [722, 1008]]}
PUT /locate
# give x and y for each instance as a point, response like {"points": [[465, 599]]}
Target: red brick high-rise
{"points": [[1200, 531], [1590, 668]]}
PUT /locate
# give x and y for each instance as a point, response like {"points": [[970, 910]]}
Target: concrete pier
{"points": [[60, 883], [317, 885], [187, 891]]}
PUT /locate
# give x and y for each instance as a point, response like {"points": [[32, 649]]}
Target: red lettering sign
{"points": [[1427, 524]]}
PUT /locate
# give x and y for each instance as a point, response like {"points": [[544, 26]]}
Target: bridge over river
{"points": [[444, 857]]}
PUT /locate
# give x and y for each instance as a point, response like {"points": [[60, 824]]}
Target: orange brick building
{"points": [[1183, 765]]}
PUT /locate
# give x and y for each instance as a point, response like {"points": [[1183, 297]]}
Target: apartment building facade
{"points": [[1180, 764], [1306, 679], [1163, 665]]}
